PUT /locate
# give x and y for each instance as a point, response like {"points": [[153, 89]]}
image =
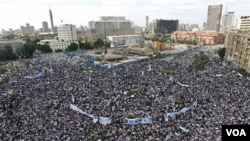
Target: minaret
{"points": [[51, 20]]}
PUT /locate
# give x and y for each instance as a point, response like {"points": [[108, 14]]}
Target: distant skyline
{"points": [[15, 13]]}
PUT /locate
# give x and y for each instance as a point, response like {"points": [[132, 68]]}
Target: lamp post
{"points": [[105, 48]]}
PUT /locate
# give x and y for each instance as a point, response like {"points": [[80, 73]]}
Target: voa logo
{"points": [[236, 132]]}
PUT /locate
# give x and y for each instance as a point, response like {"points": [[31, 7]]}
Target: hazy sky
{"points": [[14, 13]]}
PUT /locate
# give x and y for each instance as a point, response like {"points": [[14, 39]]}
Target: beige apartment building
{"points": [[27, 30], [237, 45], [200, 37]]}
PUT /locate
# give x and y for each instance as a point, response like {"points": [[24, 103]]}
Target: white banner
{"points": [[105, 120], [183, 85], [136, 121]]}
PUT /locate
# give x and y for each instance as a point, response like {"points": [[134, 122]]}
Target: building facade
{"points": [[27, 30], [200, 37], [111, 26], [165, 26], [214, 17], [146, 24], [55, 45], [125, 40], [67, 33], [227, 21], [243, 22], [45, 27], [237, 43]]}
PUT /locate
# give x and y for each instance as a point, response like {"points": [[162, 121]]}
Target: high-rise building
{"points": [[165, 26], [111, 26], [45, 27], [27, 30], [227, 21], [181, 27], [51, 20], [243, 22], [147, 25], [194, 26], [67, 33], [214, 17]]}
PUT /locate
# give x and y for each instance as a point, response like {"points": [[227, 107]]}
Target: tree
{"points": [[10, 54], [29, 49], [98, 43], [88, 45], [6, 53], [200, 60], [44, 48], [221, 52], [108, 44], [155, 38], [2, 54], [162, 40], [242, 71], [30, 46], [72, 47]]}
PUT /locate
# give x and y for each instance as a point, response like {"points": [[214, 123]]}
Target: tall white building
{"points": [[227, 21], [214, 17], [67, 33], [243, 22]]}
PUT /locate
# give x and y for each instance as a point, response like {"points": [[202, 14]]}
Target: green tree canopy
{"points": [[221, 52], [155, 38], [6, 53], [29, 49], [242, 71], [98, 43], [44, 48], [200, 60], [88, 45], [30, 46], [108, 44], [72, 47]]}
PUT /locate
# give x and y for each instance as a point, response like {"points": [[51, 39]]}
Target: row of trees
{"points": [[6, 53], [99, 43], [160, 39], [192, 42]]}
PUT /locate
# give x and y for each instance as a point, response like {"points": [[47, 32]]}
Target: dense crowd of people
{"points": [[39, 109]]}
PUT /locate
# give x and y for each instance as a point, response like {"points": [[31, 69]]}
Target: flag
{"points": [[73, 99], [10, 92], [149, 68], [184, 129], [240, 74], [171, 78], [95, 119], [160, 118], [105, 120], [184, 110]]}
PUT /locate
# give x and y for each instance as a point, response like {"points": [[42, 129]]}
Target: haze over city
{"points": [[15, 13]]}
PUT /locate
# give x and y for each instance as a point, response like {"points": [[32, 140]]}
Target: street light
{"points": [[105, 48]]}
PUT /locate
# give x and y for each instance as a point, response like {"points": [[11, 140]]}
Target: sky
{"points": [[15, 13]]}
